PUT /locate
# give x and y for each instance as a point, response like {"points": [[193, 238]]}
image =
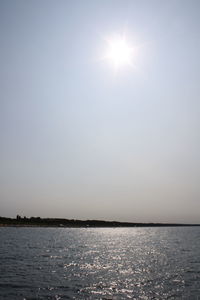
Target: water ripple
{"points": [[122, 263]]}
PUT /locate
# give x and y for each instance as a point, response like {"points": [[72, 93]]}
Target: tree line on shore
{"points": [[60, 222]]}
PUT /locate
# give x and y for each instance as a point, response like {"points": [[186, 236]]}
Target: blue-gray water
{"points": [[115, 263]]}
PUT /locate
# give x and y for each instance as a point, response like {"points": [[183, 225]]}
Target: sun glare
{"points": [[118, 52]]}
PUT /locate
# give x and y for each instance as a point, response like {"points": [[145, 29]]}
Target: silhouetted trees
{"points": [[59, 222]]}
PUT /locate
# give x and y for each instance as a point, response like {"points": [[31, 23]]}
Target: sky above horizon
{"points": [[81, 141]]}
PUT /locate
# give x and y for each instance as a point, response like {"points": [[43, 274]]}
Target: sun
{"points": [[119, 53]]}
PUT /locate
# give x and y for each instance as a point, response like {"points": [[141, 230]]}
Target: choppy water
{"points": [[116, 263]]}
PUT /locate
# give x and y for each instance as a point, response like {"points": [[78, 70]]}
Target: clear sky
{"points": [[79, 140]]}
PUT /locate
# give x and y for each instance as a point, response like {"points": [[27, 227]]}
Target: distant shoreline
{"points": [[71, 223]]}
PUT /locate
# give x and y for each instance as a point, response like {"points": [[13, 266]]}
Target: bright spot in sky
{"points": [[119, 52]]}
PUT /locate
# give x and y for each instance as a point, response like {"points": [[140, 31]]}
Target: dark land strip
{"points": [[59, 222]]}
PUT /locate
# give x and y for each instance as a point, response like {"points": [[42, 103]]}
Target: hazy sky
{"points": [[81, 141]]}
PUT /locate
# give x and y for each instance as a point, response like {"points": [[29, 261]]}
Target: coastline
{"points": [[71, 223]]}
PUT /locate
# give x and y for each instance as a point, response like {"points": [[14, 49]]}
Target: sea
{"points": [[100, 263]]}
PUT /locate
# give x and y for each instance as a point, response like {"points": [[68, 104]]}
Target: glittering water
{"points": [[115, 263]]}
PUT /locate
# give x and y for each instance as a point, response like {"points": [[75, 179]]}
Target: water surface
{"points": [[108, 263]]}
